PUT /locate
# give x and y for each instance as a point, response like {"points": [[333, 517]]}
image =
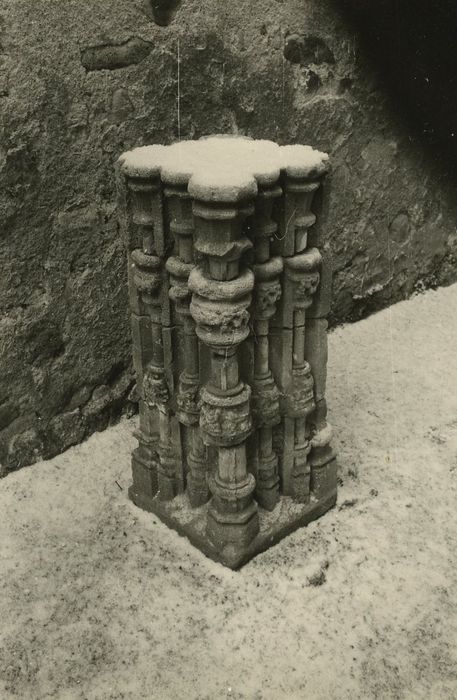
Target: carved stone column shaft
{"points": [[144, 282], [148, 279], [220, 301], [188, 396], [229, 283], [265, 401]]}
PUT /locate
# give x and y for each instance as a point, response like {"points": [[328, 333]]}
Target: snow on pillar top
{"points": [[302, 162], [144, 161], [224, 168]]}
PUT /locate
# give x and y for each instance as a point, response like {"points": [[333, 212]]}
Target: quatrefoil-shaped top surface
{"points": [[223, 168]]}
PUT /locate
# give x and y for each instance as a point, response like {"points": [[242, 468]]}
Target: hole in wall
{"points": [[161, 11]]}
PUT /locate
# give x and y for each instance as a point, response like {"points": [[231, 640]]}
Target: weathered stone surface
{"points": [[112, 56], [63, 293], [316, 353], [121, 106], [232, 444], [306, 49]]}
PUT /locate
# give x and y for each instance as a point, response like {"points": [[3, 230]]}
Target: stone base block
{"points": [[267, 492], [144, 472], [324, 479], [232, 532], [286, 517], [198, 491]]}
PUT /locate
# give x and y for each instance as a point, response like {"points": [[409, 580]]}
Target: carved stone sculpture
{"points": [[230, 285]]}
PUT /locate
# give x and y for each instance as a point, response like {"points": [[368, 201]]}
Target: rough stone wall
{"points": [[80, 82]]}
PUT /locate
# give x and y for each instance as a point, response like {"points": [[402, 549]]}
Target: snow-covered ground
{"points": [[99, 601]]}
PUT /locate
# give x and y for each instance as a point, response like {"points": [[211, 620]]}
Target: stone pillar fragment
{"points": [[322, 457], [222, 289], [150, 316], [144, 283], [265, 397], [229, 281], [179, 267], [300, 281]]}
